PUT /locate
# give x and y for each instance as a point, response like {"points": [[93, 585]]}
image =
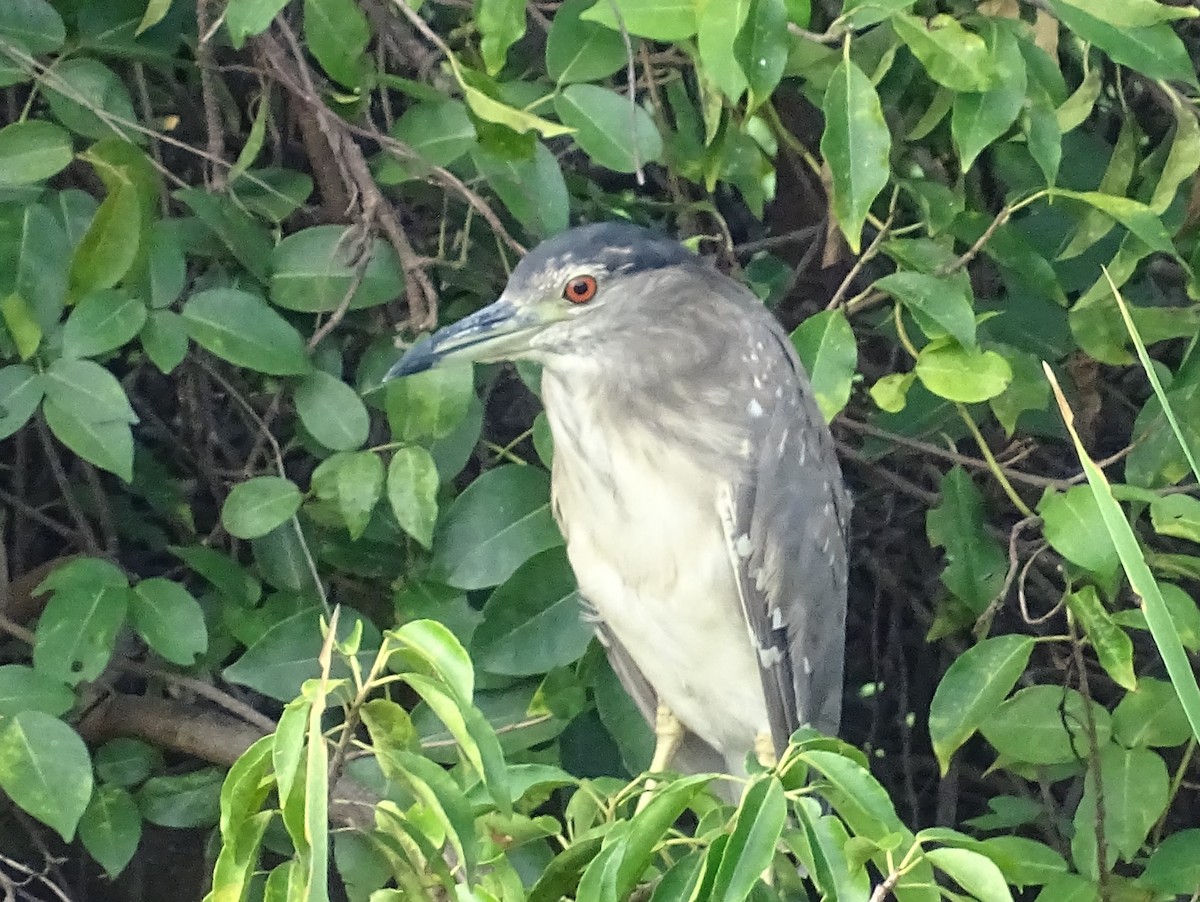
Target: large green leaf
{"points": [[761, 48], [429, 405], [941, 306], [1045, 725], [32, 151], [111, 828], [1150, 716], [972, 688], [532, 189], [90, 99], [33, 23], [856, 145], [953, 56], [615, 133], [438, 132], [20, 393], [354, 481], [978, 119], [955, 373], [311, 271], [975, 562], [25, 689], [240, 327], [1112, 644], [659, 20], [826, 346], [77, 631], [45, 768], [533, 622], [87, 390], [245, 18], [1154, 50], [331, 411], [1135, 786], [501, 24], [337, 33], [102, 321], [500, 521], [170, 620], [1072, 524], [412, 483], [258, 505], [108, 444], [718, 28], [751, 846], [578, 50]]}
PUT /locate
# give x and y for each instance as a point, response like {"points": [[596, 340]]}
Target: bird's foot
{"points": [[668, 734]]}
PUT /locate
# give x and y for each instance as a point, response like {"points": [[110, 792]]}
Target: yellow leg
{"points": [[764, 750], [668, 734]]}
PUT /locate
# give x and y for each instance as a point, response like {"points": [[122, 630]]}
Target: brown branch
{"points": [[208, 94]]}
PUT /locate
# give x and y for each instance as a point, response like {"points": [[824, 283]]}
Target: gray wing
{"points": [[786, 521]]}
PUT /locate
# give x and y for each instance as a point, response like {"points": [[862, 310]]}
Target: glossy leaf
{"points": [[239, 327], [856, 145], [1174, 867], [617, 135], [826, 346], [186, 800], [972, 688], [953, 57], [32, 151], [20, 393], [93, 102], [1154, 50], [111, 828], [659, 20], [331, 411], [412, 484], [1150, 716], [1074, 528], [1135, 787], [941, 305], [355, 483], [170, 620], [77, 632], [718, 27], [439, 132], [25, 689], [245, 18], [34, 23], [578, 50], [533, 189], [1045, 725], [1112, 644], [108, 444], [429, 405], [102, 321], [258, 505], [46, 770], [972, 871], [311, 271], [500, 521], [761, 48], [975, 562], [958, 374], [978, 119], [337, 34], [165, 339], [751, 846], [501, 24]]}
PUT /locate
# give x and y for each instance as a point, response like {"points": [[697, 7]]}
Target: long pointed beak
{"points": [[500, 331]]}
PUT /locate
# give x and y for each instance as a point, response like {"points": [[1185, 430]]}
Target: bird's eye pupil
{"points": [[580, 290]]}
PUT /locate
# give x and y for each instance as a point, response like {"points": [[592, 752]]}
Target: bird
{"points": [[695, 482]]}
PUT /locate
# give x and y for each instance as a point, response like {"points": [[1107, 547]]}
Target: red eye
{"points": [[580, 289]]}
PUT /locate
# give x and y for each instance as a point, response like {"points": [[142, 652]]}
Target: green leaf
{"points": [[1045, 725], [1133, 13], [46, 770], [500, 521], [890, 392], [972, 688], [751, 846], [429, 405], [438, 132], [20, 393], [940, 305], [102, 321], [111, 828], [188, 800], [111, 242], [615, 133], [1172, 515], [718, 27], [533, 189], [501, 24], [533, 622], [22, 326], [953, 56], [25, 689], [856, 145], [33, 151], [84, 573], [825, 343], [1133, 215], [34, 23], [761, 48], [862, 13], [227, 576], [978, 119], [165, 339], [170, 620], [957, 374], [355, 482], [1182, 161], [440, 654], [412, 484], [975, 873], [107, 444], [1113, 646], [659, 20], [245, 237], [489, 109], [1154, 50], [1072, 524], [280, 558], [87, 390], [577, 50], [975, 562], [1150, 716], [126, 762], [1135, 787], [311, 271], [93, 102], [77, 631], [258, 505], [240, 327], [337, 33], [1024, 862], [286, 655], [1174, 867], [245, 18], [332, 411]]}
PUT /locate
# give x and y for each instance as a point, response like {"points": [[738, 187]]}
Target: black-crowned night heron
{"points": [[695, 482]]}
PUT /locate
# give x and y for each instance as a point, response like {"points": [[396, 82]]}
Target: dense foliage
{"points": [[274, 632]]}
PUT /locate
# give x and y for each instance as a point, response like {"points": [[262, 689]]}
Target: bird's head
{"points": [[565, 293]]}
